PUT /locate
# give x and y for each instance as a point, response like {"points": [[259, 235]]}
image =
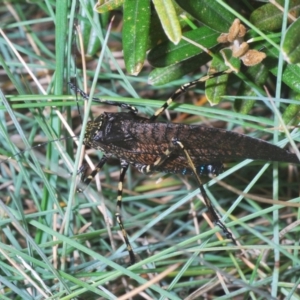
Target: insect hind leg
{"points": [[208, 203]]}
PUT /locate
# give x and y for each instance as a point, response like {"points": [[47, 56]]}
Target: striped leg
{"points": [[87, 180], [208, 203], [124, 168], [183, 89], [144, 169]]}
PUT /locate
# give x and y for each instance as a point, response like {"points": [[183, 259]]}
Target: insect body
{"points": [[151, 146], [140, 142]]}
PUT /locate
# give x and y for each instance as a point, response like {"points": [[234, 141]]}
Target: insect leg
{"points": [[152, 167], [183, 89], [208, 203], [85, 96], [124, 167], [87, 180]]}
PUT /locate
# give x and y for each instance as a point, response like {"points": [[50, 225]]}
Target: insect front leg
{"points": [[124, 168], [208, 203], [86, 180]]}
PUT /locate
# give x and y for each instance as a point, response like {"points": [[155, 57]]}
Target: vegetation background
{"points": [[56, 244]]}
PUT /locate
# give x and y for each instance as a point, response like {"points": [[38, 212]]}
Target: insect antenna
{"points": [[85, 96], [20, 153]]}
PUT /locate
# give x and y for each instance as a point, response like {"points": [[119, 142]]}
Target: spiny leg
{"points": [[208, 203], [143, 169], [86, 180], [183, 89], [85, 96], [124, 168]]}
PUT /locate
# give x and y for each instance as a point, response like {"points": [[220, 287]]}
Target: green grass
{"points": [[72, 241]]}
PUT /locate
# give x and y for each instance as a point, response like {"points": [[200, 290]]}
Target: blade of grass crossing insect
{"points": [[61, 30], [85, 120], [52, 154], [98, 198], [275, 278]]}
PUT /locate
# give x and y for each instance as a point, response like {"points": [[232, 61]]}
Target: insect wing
{"points": [[140, 141]]}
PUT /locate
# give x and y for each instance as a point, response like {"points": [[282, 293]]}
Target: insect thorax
{"points": [[94, 132]]}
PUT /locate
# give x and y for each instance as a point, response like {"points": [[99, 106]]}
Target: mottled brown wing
{"points": [[205, 145], [141, 142]]}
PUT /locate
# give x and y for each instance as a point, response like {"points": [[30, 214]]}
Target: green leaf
{"points": [[209, 13], [268, 17], [156, 33], [291, 113], [291, 43], [168, 18], [91, 41], [230, 61], [135, 34], [291, 73], [215, 88], [167, 53], [259, 75], [160, 76], [290, 76], [106, 6]]}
